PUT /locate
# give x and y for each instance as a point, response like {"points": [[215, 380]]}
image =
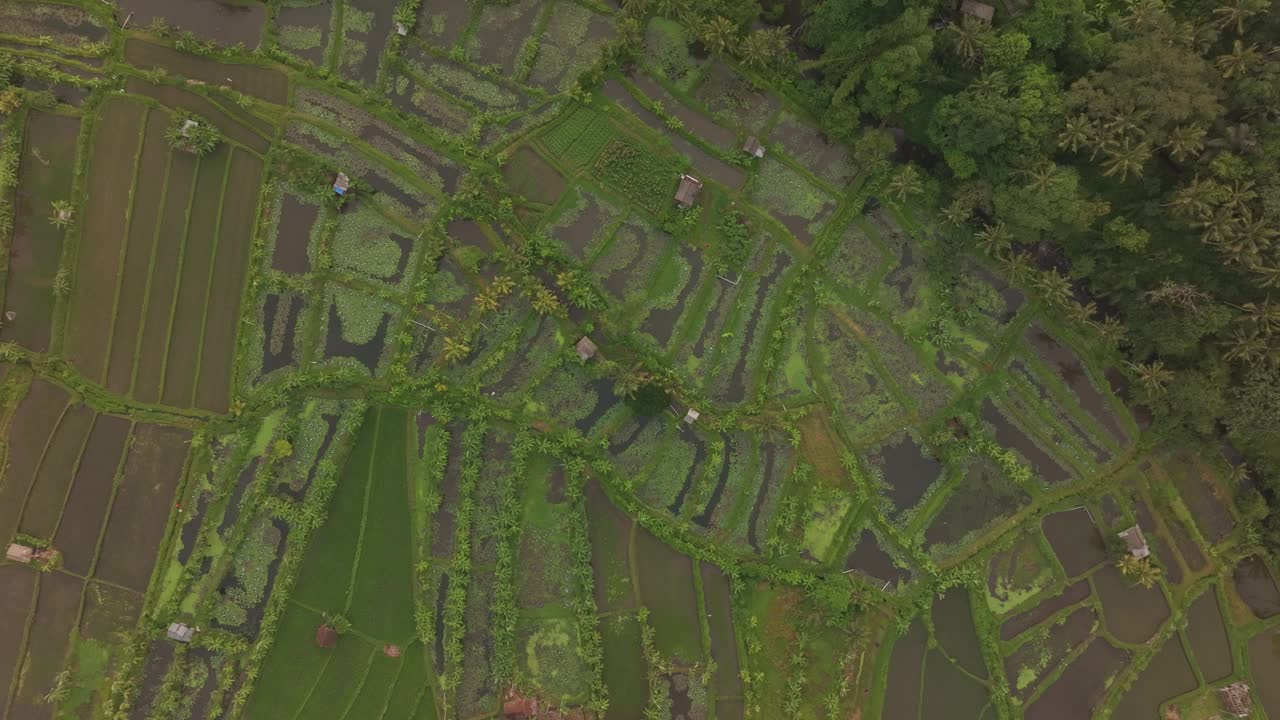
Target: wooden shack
{"points": [[326, 637], [691, 417], [753, 147], [687, 192], [19, 553], [1236, 699], [1135, 541], [341, 184], [979, 10], [519, 708], [586, 349], [180, 632]]}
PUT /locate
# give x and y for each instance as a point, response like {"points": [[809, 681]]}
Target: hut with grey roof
{"points": [[181, 632], [979, 10], [753, 147], [586, 349], [687, 192], [1135, 541]]}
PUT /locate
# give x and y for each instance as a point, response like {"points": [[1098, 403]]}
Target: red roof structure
{"points": [[326, 637], [520, 708]]}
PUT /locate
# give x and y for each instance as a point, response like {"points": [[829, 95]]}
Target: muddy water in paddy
{"points": [[869, 558], [1132, 613], [1210, 511], [737, 382], [661, 322], [704, 519], [1264, 660], [1069, 366], [949, 693], [1081, 686], [605, 400], [907, 470], [85, 511], [695, 122], [294, 235], [705, 165], [1018, 624], [272, 361], [16, 587], [1075, 540], [1160, 548], [222, 22], [953, 627], [1168, 675], [1257, 587], [233, 505], [1010, 436], [700, 454], [902, 696], [368, 354], [1062, 640], [315, 16], [1208, 635]]}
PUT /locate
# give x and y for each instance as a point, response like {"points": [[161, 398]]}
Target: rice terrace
{"points": [[426, 359]]}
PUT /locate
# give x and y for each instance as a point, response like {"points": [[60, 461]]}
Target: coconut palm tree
{"points": [[1153, 376], [957, 213], [966, 38], [1110, 330], [1262, 316], [1247, 346], [1055, 286], [545, 302], [1238, 62], [756, 49], [906, 182], [455, 350], [719, 34], [994, 239], [1042, 177], [1079, 132], [1195, 200], [1139, 570], [1252, 238], [1082, 313], [1186, 142], [1268, 275], [501, 285], [62, 213], [1236, 12], [1125, 157], [1218, 226], [629, 381]]}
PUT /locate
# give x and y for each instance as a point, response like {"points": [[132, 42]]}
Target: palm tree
{"points": [[1263, 316], [455, 350], [1218, 226], [1186, 142], [545, 302], [501, 285], [1141, 14], [1153, 376], [1055, 286], [1238, 62], [1125, 157], [1240, 194], [1236, 12], [1194, 200], [1110, 330], [757, 49], [1139, 570], [1079, 132], [636, 8], [62, 213], [1250, 347], [994, 239], [1250, 240], [629, 381], [1082, 313], [906, 182], [966, 38], [1239, 138], [957, 213], [719, 34], [1269, 275], [1042, 177], [486, 301]]}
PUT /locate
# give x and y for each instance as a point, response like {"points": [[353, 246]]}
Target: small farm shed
{"points": [[326, 637], [980, 10], [401, 30], [692, 416], [1135, 541], [341, 184], [753, 147], [391, 651], [519, 708], [181, 632], [586, 349], [19, 553], [687, 192], [1236, 698], [187, 127]]}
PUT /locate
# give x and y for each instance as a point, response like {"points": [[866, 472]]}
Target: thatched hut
{"points": [[586, 349], [1135, 541], [687, 191], [326, 637]]}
